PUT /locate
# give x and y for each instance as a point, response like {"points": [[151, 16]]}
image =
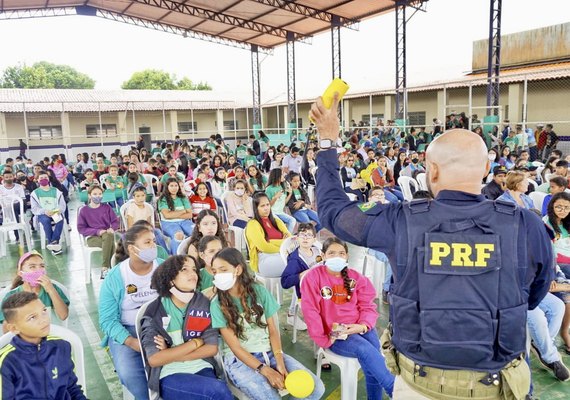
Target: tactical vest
{"points": [[458, 300]]}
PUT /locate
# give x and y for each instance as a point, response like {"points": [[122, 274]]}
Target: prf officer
{"points": [[466, 270]]}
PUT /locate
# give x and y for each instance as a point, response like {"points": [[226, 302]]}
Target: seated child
{"points": [[245, 313], [32, 277], [35, 364], [304, 254]]}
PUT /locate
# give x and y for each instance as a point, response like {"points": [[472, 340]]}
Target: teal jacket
{"points": [[110, 300]]}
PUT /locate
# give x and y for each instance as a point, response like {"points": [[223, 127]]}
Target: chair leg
{"points": [[348, 384], [87, 261], [320, 355], [294, 340]]}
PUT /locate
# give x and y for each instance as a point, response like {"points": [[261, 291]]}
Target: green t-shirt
{"points": [[279, 205], [253, 183], [256, 338], [180, 203], [249, 160], [512, 142], [241, 152], [297, 194], [164, 177], [206, 279], [43, 296], [174, 330], [47, 198]]}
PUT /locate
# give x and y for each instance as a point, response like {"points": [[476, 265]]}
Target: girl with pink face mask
{"points": [[32, 277]]}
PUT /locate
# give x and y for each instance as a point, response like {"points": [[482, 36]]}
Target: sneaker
{"points": [[559, 370], [385, 299], [54, 246], [56, 252], [300, 325], [104, 272], [69, 228]]}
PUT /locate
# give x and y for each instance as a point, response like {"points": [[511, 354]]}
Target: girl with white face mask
{"points": [[245, 313], [239, 203], [177, 337], [340, 313]]}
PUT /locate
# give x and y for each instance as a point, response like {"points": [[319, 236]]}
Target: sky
{"points": [[439, 47]]}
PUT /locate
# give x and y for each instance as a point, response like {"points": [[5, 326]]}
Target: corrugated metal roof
{"points": [[87, 100], [265, 23]]}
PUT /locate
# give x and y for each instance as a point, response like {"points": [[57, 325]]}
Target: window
{"points": [[45, 132], [104, 130], [417, 118], [188, 127], [375, 118], [230, 125]]}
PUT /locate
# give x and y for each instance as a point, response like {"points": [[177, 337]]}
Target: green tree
{"points": [[152, 79], [44, 75]]}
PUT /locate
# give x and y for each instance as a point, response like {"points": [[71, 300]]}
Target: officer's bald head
{"points": [[457, 160]]}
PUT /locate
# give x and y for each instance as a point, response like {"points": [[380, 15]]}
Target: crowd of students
{"points": [[164, 243]]}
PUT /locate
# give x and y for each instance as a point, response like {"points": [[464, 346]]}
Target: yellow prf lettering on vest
{"points": [[461, 253]]}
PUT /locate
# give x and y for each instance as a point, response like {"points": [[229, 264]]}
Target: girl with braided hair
{"points": [[246, 313], [340, 313]]}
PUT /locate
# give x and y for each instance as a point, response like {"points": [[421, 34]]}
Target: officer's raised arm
{"points": [[348, 220]]}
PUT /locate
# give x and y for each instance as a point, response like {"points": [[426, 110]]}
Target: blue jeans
{"points": [[129, 366], [307, 215], [288, 220], [255, 386], [52, 234], [203, 385], [388, 271], [170, 228], [544, 323], [366, 348]]}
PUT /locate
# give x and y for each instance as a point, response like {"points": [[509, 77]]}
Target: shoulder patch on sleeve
{"points": [[367, 206]]}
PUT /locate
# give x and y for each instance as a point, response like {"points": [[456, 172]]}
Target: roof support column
{"points": [[494, 57], [255, 67], [291, 95], [335, 43], [401, 85]]}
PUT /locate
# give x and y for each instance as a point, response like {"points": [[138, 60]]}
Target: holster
{"points": [[516, 379], [389, 351]]}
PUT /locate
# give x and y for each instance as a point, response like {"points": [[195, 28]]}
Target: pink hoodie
{"points": [[324, 302]]}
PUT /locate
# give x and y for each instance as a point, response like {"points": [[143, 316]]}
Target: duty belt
{"points": [[438, 384]]}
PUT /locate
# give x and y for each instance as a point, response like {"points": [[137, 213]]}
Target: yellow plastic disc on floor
{"points": [[299, 383]]}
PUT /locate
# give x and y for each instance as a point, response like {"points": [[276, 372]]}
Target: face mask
{"points": [[336, 264], [184, 297], [224, 281], [415, 160], [32, 277], [96, 199], [9, 181], [270, 153], [491, 157], [148, 255], [44, 182], [239, 192], [22, 179]]}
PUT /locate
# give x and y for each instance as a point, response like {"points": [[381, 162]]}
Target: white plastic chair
{"points": [[150, 180], [64, 238], [405, 183], [140, 314], [378, 271], [11, 223], [102, 180], [422, 181], [273, 285], [237, 231], [76, 350], [87, 253], [348, 372], [183, 247], [537, 199]]}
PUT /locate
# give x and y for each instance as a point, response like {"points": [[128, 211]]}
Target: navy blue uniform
{"points": [[385, 228]]}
